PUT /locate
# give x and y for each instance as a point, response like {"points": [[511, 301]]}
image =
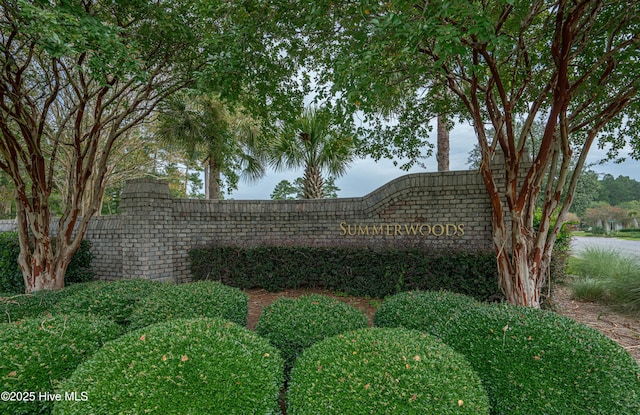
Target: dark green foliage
{"points": [[80, 266], [11, 280], [112, 300], [37, 354], [536, 362], [355, 271], [198, 299], [422, 310], [205, 366], [384, 371], [294, 324]]}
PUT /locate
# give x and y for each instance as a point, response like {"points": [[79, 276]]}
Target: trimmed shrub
{"points": [[384, 371], [193, 300], [530, 361], [293, 324], [205, 366], [15, 307], [421, 310], [113, 300], [11, 280], [537, 362], [37, 354], [352, 270]]}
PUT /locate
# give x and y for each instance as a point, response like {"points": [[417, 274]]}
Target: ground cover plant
{"points": [[384, 371], [193, 300], [204, 366], [37, 354], [114, 300], [534, 361], [606, 276], [294, 324]]}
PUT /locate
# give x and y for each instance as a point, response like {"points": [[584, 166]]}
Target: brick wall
{"points": [[152, 236]]}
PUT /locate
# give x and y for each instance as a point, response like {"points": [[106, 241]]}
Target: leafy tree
{"points": [[77, 76], [618, 190], [572, 64], [228, 143], [312, 143], [287, 191]]}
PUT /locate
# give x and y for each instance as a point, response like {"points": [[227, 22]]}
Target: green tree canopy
{"points": [[313, 143], [573, 64], [79, 75]]}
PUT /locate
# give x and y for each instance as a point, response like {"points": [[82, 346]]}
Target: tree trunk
{"points": [[313, 183], [443, 144], [214, 179]]}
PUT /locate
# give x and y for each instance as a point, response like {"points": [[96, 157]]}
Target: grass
{"points": [[606, 276]]}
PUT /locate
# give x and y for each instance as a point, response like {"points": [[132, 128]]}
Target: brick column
{"points": [[147, 241]]}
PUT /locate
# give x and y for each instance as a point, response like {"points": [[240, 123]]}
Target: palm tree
{"points": [[310, 142], [228, 144]]}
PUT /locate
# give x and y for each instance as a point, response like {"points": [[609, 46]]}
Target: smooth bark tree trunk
{"points": [[442, 154]]}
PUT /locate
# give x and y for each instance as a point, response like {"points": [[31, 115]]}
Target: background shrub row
{"points": [[355, 271], [11, 280]]}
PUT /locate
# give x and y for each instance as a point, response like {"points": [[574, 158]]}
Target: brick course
{"points": [[152, 236]]}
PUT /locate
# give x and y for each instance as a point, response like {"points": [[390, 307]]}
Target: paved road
{"points": [[622, 245]]}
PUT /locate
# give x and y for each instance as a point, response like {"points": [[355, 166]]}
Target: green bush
{"points": [[194, 300], [384, 371], [422, 310], [11, 280], [37, 354], [355, 271], [537, 362], [113, 300], [205, 366], [15, 307], [293, 325]]}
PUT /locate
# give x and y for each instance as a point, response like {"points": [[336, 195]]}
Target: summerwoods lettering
{"points": [[398, 229]]}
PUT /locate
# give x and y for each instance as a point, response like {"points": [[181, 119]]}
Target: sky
{"points": [[366, 175]]}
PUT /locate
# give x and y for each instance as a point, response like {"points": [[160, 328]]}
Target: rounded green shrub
{"points": [[537, 362], [114, 300], [204, 366], [193, 300], [421, 310], [37, 354], [384, 371], [293, 324], [14, 307]]}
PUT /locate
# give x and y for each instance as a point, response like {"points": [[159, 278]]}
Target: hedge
{"points": [[384, 371], [355, 271], [193, 300], [535, 361], [37, 354], [11, 279], [293, 324], [204, 366]]}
